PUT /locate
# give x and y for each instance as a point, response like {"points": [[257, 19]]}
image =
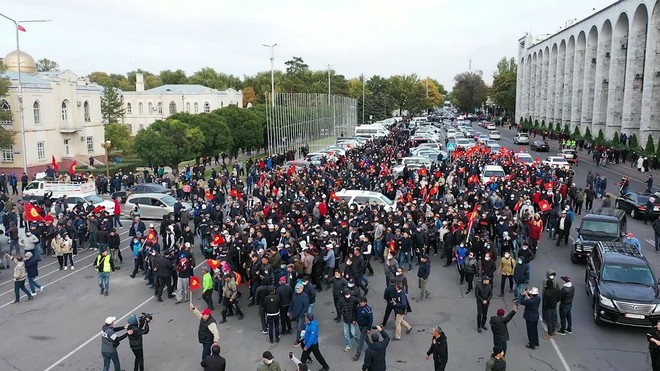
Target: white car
{"points": [[362, 197], [494, 135], [556, 161], [523, 157], [465, 142], [451, 133], [521, 138], [413, 160], [88, 200], [492, 171], [491, 126]]}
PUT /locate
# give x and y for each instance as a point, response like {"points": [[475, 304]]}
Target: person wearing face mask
{"points": [[506, 268], [521, 278], [483, 293], [339, 283], [348, 308], [136, 248], [469, 270], [488, 266], [401, 277], [268, 363]]}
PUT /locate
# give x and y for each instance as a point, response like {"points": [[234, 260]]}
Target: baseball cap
{"points": [[110, 320], [268, 355], [206, 312], [629, 235], [565, 279]]}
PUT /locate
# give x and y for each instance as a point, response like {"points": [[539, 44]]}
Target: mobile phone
{"points": [[290, 355], [374, 327]]}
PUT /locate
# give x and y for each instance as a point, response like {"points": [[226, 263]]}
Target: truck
{"points": [[38, 189]]}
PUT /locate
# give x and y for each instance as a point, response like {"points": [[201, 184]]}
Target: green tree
{"points": [[576, 132], [650, 146], [249, 96], [504, 85], [112, 105], [217, 136], [168, 142], [173, 77], [246, 127], [633, 142], [120, 137], [587, 134], [469, 91], [208, 77], [657, 148], [378, 103], [45, 65], [6, 136], [296, 66], [600, 139]]}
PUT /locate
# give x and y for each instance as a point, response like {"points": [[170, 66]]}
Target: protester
{"points": [[20, 275], [565, 306], [214, 361], [496, 361], [483, 293], [498, 324], [208, 333], [438, 349], [531, 301], [268, 363], [311, 342], [376, 354], [104, 266]]}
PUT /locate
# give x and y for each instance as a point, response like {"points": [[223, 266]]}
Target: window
{"points": [[188, 107], [90, 144], [65, 112], [36, 111], [86, 111], [8, 154], [196, 108], [7, 108], [140, 106], [160, 108], [207, 107], [172, 108], [41, 150], [129, 108], [222, 104], [150, 107], [66, 147]]}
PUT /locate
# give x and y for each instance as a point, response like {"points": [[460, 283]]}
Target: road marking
{"points": [[95, 336], [55, 262], [650, 241], [554, 345]]}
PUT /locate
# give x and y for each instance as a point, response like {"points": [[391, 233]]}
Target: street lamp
{"points": [[272, 72], [21, 117], [106, 145]]}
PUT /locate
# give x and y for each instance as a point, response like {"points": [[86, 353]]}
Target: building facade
{"points": [[143, 107], [602, 73], [61, 113]]}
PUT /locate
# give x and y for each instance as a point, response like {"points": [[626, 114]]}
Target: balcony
{"points": [[69, 127]]}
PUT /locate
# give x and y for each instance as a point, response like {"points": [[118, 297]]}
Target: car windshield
{"points": [[168, 200], [599, 227], [626, 273], [525, 159], [94, 199], [492, 173]]}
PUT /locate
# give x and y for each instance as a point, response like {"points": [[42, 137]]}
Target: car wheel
{"points": [[574, 259], [596, 315], [633, 213]]}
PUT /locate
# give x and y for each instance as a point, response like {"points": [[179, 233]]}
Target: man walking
{"points": [[423, 273], [272, 305], [184, 269], [438, 349], [207, 287], [104, 266], [299, 306], [110, 342], [311, 342], [32, 269], [531, 301], [230, 298], [364, 318], [163, 269], [214, 362], [567, 293], [376, 354], [498, 324], [389, 295], [563, 228], [348, 308], [208, 333], [401, 307], [483, 291]]}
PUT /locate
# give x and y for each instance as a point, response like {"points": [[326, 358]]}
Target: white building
{"points": [[602, 73], [143, 107], [62, 118]]}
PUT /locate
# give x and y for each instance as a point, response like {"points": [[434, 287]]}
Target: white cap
{"points": [[534, 291], [151, 225], [110, 320]]}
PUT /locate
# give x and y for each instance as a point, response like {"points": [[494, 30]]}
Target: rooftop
{"points": [[181, 89]]}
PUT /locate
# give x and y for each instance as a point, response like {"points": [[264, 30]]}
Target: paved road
{"points": [[59, 330]]}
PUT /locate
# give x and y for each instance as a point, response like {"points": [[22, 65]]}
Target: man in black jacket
{"points": [[285, 293], [135, 331], [438, 349], [364, 318], [376, 354], [483, 292], [390, 293], [214, 361], [565, 305], [423, 275], [551, 296], [272, 305], [164, 268], [498, 326]]}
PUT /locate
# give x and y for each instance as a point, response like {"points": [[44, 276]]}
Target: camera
{"points": [[145, 317]]}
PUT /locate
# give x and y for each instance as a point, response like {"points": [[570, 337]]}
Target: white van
{"points": [[492, 171], [39, 188], [361, 197], [376, 131]]}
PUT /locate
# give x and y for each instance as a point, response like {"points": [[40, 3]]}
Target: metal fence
{"points": [[316, 120]]}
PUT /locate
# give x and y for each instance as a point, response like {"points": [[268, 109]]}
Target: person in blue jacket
{"points": [[299, 306], [311, 342]]}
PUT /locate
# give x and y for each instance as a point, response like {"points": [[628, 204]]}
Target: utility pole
{"points": [[272, 72], [328, 84], [363, 88]]}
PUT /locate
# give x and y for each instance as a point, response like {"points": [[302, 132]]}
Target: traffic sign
{"points": [[451, 146]]}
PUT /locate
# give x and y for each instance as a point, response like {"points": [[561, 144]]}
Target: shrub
{"points": [[650, 146]]}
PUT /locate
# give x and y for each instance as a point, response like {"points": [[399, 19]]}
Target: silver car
{"points": [[152, 205]]}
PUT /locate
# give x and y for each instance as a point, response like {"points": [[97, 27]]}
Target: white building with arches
{"points": [[601, 73], [143, 107], [61, 113]]}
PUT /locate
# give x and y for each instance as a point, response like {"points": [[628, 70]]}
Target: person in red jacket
{"points": [[117, 212], [535, 231]]}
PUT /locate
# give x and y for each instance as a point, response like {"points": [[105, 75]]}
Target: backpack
{"points": [[183, 265]]}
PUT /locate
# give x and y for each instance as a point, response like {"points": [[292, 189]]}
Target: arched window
{"points": [[196, 108], [187, 107], [150, 108], [160, 107], [7, 108], [140, 108], [129, 108], [36, 111], [64, 112], [207, 107], [172, 108], [88, 118]]}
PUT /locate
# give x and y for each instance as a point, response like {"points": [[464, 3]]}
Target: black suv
{"points": [[622, 286], [609, 225]]}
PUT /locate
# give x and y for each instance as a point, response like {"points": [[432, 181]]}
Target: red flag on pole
{"points": [[213, 264], [21, 28], [333, 196], [32, 213], [392, 246], [97, 209], [517, 206], [194, 283], [544, 205], [56, 167], [72, 168]]}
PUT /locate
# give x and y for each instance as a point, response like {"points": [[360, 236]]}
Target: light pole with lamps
{"points": [[106, 145], [272, 72], [21, 117]]}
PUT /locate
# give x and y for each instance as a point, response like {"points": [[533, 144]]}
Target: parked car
{"points": [[152, 205], [494, 135], [635, 204], [521, 138], [539, 146], [621, 285]]}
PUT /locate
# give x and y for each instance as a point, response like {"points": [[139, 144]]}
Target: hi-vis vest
{"points": [[106, 263]]}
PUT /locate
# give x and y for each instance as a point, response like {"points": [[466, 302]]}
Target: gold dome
{"points": [[27, 62]]}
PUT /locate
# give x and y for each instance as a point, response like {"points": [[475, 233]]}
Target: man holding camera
{"points": [[135, 329]]}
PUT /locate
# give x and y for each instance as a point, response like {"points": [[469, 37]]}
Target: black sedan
{"points": [[540, 146], [635, 204]]}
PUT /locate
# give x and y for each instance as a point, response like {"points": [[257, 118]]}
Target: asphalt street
{"points": [[59, 330]]}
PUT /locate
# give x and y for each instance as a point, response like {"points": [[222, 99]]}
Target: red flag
{"points": [[239, 278], [209, 195], [32, 213], [333, 196], [213, 264], [392, 246], [56, 167], [152, 236], [517, 206], [261, 180], [218, 239], [548, 186], [21, 28], [291, 170], [539, 181], [97, 209], [544, 205], [194, 283], [72, 168]]}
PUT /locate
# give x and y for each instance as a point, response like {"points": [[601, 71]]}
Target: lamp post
{"points": [[272, 72], [106, 145], [21, 117]]}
